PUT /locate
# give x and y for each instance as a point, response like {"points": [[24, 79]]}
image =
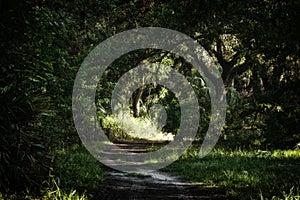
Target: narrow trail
{"points": [[153, 185], [156, 185]]}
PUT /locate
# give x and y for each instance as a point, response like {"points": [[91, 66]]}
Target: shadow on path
{"points": [[152, 185]]}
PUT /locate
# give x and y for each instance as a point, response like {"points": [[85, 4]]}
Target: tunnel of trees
{"points": [[254, 43]]}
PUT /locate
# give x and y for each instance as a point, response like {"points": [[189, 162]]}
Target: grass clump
{"points": [[291, 195], [54, 192], [77, 169]]}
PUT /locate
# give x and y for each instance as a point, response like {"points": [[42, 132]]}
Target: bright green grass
{"points": [[54, 192], [244, 174]]}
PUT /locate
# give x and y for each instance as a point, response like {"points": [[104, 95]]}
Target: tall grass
{"points": [[291, 195], [75, 175], [53, 191]]}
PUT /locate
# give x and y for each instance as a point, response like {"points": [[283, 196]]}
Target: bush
{"points": [[23, 158]]}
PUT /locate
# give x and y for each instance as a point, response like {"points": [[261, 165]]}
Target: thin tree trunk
{"points": [[136, 102]]}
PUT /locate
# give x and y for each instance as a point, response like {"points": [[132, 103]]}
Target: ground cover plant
{"points": [[244, 174]]}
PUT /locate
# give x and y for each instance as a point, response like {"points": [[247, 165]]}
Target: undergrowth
{"points": [[76, 175], [254, 174], [78, 169]]}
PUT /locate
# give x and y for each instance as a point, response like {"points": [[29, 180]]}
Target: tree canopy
{"points": [[254, 43]]}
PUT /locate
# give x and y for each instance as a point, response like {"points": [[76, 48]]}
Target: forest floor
{"points": [[222, 174], [153, 185], [156, 185]]}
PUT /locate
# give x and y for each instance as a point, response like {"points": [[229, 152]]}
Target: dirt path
{"points": [[154, 185]]}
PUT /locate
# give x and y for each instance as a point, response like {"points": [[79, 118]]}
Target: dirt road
{"points": [[154, 185]]}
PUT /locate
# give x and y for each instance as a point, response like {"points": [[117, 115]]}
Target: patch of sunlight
{"points": [[143, 128], [286, 154], [151, 161]]}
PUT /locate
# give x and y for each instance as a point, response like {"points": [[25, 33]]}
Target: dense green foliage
{"points": [[77, 177], [42, 43]]}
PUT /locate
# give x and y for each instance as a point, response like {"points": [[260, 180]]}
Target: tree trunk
{"points": [[136, 102]]}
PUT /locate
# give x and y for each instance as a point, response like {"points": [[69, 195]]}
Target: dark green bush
{"points": [[23, 157]]}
